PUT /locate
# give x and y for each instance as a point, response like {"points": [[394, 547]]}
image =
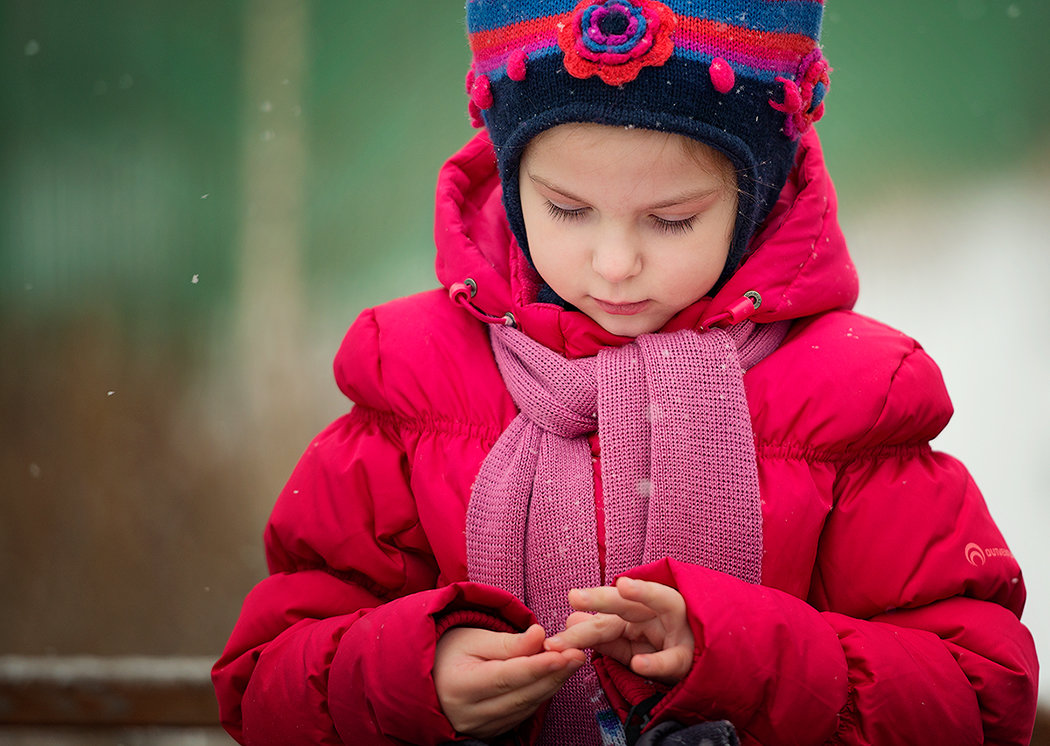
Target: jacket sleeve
{"points": [[337, 644], [911, 632]]}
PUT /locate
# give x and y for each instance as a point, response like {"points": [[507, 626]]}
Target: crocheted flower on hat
{"points": [[615, 39], [804, 97]]}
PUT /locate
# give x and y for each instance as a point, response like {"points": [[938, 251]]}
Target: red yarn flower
{"points": [[804, 97], [615, 39]]}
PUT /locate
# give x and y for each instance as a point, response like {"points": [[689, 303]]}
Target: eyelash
{"points": [[560, 213], [675, 227], [672, 227]]}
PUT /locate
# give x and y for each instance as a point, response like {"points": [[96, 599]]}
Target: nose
{"points": [[617, 256]]}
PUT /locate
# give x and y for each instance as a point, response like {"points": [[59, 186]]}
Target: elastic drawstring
{"points": [[737, 311], [462, 292]]}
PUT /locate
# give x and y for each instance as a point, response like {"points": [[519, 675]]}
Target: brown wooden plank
{"points": [[106, 691]]}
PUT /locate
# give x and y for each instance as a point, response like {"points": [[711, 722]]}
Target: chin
{"points": [[625, 326]]}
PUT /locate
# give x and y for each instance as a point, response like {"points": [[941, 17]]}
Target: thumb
{"points": [[525, 643]]}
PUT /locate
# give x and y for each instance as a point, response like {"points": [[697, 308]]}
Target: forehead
{"points": [[586, 152]]}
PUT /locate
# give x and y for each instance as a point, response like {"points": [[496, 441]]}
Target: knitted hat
{"points": [[743, 76]]}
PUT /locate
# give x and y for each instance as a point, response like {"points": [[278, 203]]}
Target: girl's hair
{"points": [[713, 159]]}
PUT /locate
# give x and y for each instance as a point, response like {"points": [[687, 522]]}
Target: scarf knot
{"points": [[560, 398]]}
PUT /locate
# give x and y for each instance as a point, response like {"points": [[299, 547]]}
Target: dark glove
{"points": [[670, 733]]}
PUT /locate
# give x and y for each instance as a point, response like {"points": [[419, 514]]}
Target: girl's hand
{"points": [[488, 682], [639, 623]]}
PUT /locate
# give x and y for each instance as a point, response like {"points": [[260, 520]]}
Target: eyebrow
{"points": [[678, 199]]}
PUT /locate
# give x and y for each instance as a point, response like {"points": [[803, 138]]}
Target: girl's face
{"points": [[630, 226]]}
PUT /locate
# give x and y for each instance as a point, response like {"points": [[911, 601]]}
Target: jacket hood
{"points": [[797, 264]]}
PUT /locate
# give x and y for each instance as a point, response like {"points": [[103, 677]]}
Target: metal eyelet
{"points": [[469, 282], [754, 297]]}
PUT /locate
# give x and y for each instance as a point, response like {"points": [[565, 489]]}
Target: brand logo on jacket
{"points": [[977, 556]]}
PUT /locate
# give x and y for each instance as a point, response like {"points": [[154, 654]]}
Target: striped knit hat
{"points": [[746, 77]]}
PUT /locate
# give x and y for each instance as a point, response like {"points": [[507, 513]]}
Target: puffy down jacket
{"points": [[889, 605]]}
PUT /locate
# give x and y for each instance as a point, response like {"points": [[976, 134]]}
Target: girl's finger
{"points": [[526, 643], [588, 633], [489, 645], [577, 617], [512, 675], [609, 600], [502, 711], [670, 665], [662, 599], [539, 683]]}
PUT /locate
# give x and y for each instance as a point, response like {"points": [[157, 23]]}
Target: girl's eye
{"points": [[674, 227], [565, 213]]}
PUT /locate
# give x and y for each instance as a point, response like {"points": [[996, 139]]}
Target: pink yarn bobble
{"points": [[516, 65], [475, 115], [722, 76], [481, 92]]}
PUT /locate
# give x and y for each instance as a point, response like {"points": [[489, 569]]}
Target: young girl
{"points": [[637, 473]]}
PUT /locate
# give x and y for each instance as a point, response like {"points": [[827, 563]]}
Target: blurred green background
{"points": [[197, 197]]}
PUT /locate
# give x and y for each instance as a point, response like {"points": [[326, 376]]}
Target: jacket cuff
{"points": [[623, 687], [472, 618], [381, 684]]}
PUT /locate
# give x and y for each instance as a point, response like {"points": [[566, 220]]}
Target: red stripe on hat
{"points": [[736, 40], [487, 43]]}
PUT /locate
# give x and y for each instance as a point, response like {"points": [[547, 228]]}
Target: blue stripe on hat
{"points": [[485, 15], [780, 16]]}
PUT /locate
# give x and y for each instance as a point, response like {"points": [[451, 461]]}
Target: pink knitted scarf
{"points": [[678, 476]]}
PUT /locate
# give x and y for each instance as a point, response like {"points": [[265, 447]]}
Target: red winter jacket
{"points": [[889, 606]]}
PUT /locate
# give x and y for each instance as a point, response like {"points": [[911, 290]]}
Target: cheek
{"points": [[690, 282], [695, 270], [540, 233], [554, 257], [553, 246], [705, 256]]}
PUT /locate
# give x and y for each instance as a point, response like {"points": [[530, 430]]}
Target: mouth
{"points": [[621, 309]]}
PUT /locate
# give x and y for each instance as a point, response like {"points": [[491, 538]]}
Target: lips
{"points": [[622, 309]]}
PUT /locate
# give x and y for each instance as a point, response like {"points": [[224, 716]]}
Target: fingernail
{"points": [[554, 640]]}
